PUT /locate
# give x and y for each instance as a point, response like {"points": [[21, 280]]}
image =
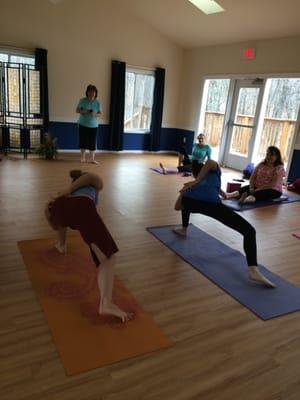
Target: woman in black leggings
{"points": [[201, 196]]}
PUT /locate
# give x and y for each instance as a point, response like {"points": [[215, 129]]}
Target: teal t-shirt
{"points": [[88, 120], [200, 153]]}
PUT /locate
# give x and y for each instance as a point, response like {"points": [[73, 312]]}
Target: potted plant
{"points": [[48, 148]]}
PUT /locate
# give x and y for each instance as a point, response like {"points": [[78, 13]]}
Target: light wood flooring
{"points": [[221, 350]]}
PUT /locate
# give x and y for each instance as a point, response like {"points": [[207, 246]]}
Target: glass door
{"points": [[246, 103], [212, 113]]}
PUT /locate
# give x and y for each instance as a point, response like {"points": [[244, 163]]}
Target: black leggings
{"points": [[228, 217], [260, 195], [186, 162], [87, 138]]}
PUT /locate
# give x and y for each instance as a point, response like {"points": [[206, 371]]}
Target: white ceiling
{"points": [[243, 20]]}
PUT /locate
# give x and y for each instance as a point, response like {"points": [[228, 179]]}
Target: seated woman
{"points": [[202, 196], [265, 182], [200, 153], [76, 208]]}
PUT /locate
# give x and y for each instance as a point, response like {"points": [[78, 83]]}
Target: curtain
{"points": [[117, 104], [41, 65], [157, 109]]}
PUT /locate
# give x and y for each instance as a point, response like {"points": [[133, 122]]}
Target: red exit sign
{"points": [[249, 53]]}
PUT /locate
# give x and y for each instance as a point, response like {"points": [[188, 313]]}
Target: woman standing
{"points": [[89, 109]]}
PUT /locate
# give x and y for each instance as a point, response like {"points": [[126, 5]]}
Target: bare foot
{"points": [[112, 309], [82, 160], [255, 275], [164, 171], [180, 231], [94, 162], [243, 198], [60, 248]]}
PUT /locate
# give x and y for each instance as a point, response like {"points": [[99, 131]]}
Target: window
{"points": [[19, 97], [139, 89]]}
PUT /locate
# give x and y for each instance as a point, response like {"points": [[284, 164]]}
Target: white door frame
{"points": [[236, 161]]}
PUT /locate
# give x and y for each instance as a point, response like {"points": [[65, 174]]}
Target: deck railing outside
{"points": [[275, 132]]}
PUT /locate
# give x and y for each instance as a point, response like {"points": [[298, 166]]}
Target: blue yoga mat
{"points": [[286, 198], [227, 268]]}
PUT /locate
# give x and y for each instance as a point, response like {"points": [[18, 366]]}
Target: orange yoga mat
{"points": [[67, 289]]}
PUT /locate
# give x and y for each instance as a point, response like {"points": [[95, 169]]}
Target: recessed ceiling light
{"points": [[207, 6]]}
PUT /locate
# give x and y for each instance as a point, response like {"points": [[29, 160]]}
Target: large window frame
{"points": [[20, 111], [145, 114], [221, 152]]}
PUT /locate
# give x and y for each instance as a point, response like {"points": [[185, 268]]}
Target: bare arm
{"points": [[88, 179], [177, 205], [223, 194], [81, 110], [253, 179], [47, 215]]}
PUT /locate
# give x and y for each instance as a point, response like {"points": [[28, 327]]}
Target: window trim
{"points": [[18, 53]]}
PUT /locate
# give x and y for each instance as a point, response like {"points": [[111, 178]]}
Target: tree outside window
{"points": [[139, 89]]}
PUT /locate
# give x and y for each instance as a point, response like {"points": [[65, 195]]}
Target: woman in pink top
{"points": [[265, 181]]}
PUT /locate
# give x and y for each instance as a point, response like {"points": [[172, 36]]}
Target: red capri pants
{"points": [[80, 213]]}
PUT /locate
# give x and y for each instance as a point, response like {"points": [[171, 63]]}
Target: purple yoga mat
{"points": [[227, 268], [171, 171]]}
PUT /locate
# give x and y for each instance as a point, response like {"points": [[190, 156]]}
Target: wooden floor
{"points": [[222, 351]]}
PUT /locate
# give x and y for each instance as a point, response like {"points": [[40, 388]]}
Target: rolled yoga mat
{"points": [[67, 290], [227, 268]]}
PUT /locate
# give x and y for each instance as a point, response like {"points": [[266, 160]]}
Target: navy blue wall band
{"points": [[171, 138]]}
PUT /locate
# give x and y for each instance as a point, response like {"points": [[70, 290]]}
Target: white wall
{"points": [[272, 56], [82, 37]]}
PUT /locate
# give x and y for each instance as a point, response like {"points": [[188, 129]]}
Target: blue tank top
{"points": [[208, 189], [87, 191]]}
